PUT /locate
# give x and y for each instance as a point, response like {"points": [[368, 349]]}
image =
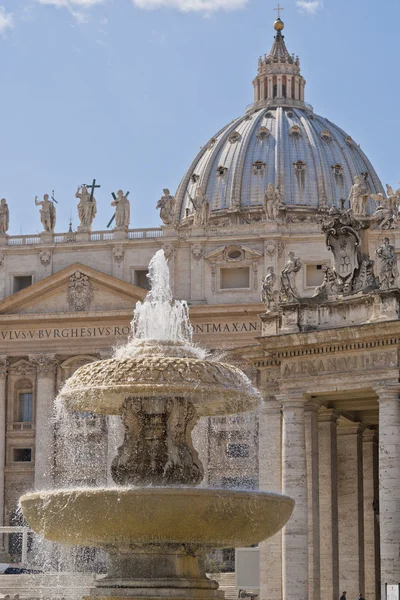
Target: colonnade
{"points": [[279, 87], [342, 536]]}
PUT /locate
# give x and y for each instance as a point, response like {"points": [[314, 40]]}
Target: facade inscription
{"points": [[344, 364]]}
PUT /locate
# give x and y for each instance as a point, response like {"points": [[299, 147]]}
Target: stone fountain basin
{"points": [[208, 517], [215, 388]]}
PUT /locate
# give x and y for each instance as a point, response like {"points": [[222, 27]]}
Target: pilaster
{"points": [[328, 504], [45, 393], [4, 362], [312, 462], [294, 484], [351, 508], [389, 484], [270, 466], [371, 527]]}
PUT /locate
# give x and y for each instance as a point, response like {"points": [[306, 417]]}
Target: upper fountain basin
{"points": [[208, 517], [160, 369]]}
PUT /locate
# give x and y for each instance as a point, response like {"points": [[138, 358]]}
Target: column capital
{"points": [[388, 392], [4, 364], [270, 405], [312, 405], [328, 415], [45, 364], [289, 397], [370, 435], [351, 429]]}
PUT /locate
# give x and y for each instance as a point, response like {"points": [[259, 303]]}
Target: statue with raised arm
{"points": [[268, 293], [358, 196], [388, 272], [288, 292], [4, 217], [201, 207], [166, 205], [87, 208], [47, 213], [122, 210]]}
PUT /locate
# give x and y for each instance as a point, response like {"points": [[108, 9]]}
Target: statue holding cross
{"points": [[87, 207]]}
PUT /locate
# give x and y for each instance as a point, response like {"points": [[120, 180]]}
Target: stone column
{"points": [[296, 88], [289, 79], [270, 440], [3, 410], [45, 394], [270, 88], [389, 484], [371, 528], [351, 509], [279, 86], [311, 432], [328, 504], [262, 88], [294, 484]]}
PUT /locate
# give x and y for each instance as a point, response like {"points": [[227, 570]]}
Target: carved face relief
{"points": [[118, 253]]}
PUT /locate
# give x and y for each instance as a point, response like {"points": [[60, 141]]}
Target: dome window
{"points": [[326, 135], [258, 167], [299, 166], [263, 133], [295, 131], [221, 171], [194, 178], [349, 140], [289, 114], [234, 137], [337, 169], [300, 172], [211, 143], [269, 115]]}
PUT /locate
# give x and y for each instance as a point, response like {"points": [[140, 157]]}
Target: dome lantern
{"points": [[279, 81]]}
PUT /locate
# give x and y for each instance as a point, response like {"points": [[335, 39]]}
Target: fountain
{"points": [[154, 524]]}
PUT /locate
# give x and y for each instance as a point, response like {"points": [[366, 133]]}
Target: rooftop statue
{"points": [[166, 205], [272, 200], [358, 196], [268, 293], [388, 272], [47, 213], [87, 207], [201, 207], [122, 210], [388, 208], [288, 292], [352, 271], [4, 217]]}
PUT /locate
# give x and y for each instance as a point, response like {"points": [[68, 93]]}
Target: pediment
{"points": [[77, 288], [233, 253]]}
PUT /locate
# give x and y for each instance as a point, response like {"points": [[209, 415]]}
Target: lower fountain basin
{"points": [[108, 516]]}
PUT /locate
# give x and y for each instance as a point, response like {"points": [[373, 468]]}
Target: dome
{"points": [[310, 161]]}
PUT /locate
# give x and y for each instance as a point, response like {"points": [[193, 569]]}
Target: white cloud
{"points": [[6, 20], [309, 6], [204, 6], [75, 7]]}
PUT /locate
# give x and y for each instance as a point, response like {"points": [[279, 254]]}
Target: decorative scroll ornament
{"points": [[80, 291], [45, 258], [45, 364], [352, 271]]}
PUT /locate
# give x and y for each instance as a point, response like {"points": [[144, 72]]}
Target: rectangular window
{"points": [[247, 483], [22, 454], [314, 275], [140, 279], [238, 450], [25, 407], [235, 278], [21, 282]]}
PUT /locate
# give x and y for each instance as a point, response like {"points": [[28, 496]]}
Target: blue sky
{"points": [[127, 91]]}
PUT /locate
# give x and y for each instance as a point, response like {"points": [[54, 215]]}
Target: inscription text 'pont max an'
{"points": [[341, 364]]}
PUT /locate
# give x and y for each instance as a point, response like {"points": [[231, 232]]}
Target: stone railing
{"points": [[71, 237]]}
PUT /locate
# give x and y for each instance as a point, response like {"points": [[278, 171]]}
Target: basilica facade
{"points": [[251, 218]]}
